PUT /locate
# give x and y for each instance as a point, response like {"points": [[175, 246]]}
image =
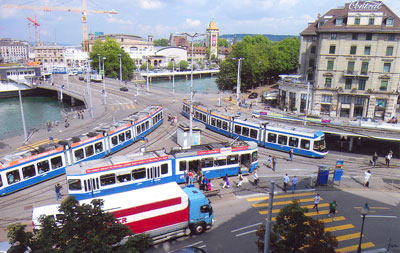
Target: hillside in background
{"points": [[271, 37]]}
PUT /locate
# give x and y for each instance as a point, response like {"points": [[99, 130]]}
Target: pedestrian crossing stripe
{"points": [[337, 228], [365, 245], [284, 202], [348, 237], [308, 206], [37, 144], [281, 196], [123, 107], [328, 220]]}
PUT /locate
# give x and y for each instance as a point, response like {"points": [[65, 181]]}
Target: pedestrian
{"points": [[200, 181], [209, 185], [367, 176], [374, 159], [255, 176], [294, 183], [82, 114], [240, 176], [286, 180], [58, 191], [273, 163], [78, 114], [269, 161], [66, 122], [226, 181], [291, 154], [190, 177], [332, 209], [317, 198], [205, 183], [388, 157], [48, 125]]}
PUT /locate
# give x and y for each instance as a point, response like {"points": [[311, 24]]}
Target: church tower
{"points": [[212, 38]]}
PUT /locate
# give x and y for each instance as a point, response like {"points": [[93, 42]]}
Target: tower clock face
{"points": [[214, 40]]}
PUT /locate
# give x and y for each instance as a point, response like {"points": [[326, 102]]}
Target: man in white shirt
{"points": [[286, 180], [317, 198]]}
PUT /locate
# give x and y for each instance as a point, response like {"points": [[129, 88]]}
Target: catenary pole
{"points": [[269, 216]]}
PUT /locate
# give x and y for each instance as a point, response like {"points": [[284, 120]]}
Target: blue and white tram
{"points": [[123, 173], [24, 169], [303, 141]]}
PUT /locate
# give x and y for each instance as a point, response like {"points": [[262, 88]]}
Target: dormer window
{"points": [[371, 21], [357, 21], [389, 21], [339, 21]]}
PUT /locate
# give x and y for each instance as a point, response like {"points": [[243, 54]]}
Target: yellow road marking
{"points": [[355, 247], [327, 220], [284, 202], [308, 206], [376, 207], [337, 228], [281, 196], [315, 213], [348, 237]]}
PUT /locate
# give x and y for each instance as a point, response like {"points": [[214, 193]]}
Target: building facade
{"points": [[50, 55], [12, 51], [351, 58], [212, 38]]}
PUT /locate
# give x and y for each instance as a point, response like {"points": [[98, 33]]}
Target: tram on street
{"points": [[24, 169], [124, 173], [303, 141]]}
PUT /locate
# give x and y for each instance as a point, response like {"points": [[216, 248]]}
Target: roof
{"points": [[212, 25], [326, 23]]}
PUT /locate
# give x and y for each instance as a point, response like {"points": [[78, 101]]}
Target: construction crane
{"points": [[36, 24], [82, 10]]}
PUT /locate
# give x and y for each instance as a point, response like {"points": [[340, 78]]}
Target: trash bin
{"points": [[339, 164], [323, 175], [337, 175]]}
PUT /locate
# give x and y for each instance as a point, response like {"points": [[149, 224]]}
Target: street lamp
{"points": [[147, 72], [173, 80], [120, 71], [88, 88], [238, 80], [364, 212], [104, 82], [98, 54], [192, 36]]}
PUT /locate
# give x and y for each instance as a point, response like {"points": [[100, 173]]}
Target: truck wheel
{"points": [[199, 228]]}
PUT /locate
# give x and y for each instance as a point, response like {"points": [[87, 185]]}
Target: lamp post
{"points": [[173, 80], [147, 72], [21, 107], [238, 80], [120, 71], [364, 212], [88, 88], [104, 82], [98, 54]]}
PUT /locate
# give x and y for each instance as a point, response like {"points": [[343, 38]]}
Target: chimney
{"points": [[150, 38], [318, 16]]}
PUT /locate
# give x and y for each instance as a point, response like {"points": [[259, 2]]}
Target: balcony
{"points": [[350, 73], [364, 73]]}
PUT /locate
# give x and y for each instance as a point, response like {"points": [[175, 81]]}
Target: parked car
{"points": [[81, 78], [253, 95], [123, 89]]}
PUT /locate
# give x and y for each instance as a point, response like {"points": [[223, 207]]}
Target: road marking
{"points": [[374, 207], [193, 244], [277, 210], [328, 220], [337, 228], [315, 213], [245, 233], [257, 224], [380, 216], [281, 196], [284, 202], [365, 245], [37, 144], [348, 237]]}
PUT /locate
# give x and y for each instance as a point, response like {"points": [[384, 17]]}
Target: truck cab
{"points": [[201, 216]]}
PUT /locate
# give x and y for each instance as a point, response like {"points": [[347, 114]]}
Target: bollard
{"points": [[311, 181]]}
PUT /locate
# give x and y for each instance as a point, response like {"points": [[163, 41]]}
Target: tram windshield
{"points": [[320, 145], [74, 184]]}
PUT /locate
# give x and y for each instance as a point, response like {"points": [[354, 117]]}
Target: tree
{"points": [[110, 49], [296, 232], [18, 238], [144, 66], [83, 228], [161, 42], [183, 65], [223, 42]]}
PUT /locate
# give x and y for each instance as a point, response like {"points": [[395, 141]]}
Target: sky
{"points": [[160, 18]]}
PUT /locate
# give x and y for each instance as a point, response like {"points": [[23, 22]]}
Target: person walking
{"points": [[388, 157], [273, 163], [226, 182], [240, 177], [367, 176], [332, 209], [205, 183], [291, 154], [58, 191], [317, 198], [286, 180], [209, 185], [255, 176], [269, 161], [294, 183], [374, 159]]}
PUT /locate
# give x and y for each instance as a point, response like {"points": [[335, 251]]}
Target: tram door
{"points": [[245, 162], [91, 184], [153, 173]]}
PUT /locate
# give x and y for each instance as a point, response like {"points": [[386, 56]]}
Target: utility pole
{"points": [[104, 82], [120, 71], [88, 88], [269, 216], [238, 80], [173, 80]]}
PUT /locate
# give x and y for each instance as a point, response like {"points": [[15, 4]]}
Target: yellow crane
{"points": [[82, 10]]}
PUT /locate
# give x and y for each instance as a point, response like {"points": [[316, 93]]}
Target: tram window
{"points": [[213, 122], [79, 154], [114, 141], [98, 147], [196, 115], [233, 159], [238, 129], [218, 123], [28, 171], [253, 133], [272, 137], [89, 150], [13, 176], [142, 126], [254, 156], [164, 168], [43, 166], [121, 137], [245, 131], [207, 163], [305, 144], [224, 125], [147, 124], [293, 142], [204, 118], [138, 130], [74, 184], [282, 139], [128, 134], [182, 165], [1, 182], [56, 162], [85, 183], [319, 145], [107, 179], [139, 173], [97, 183], [124, 178], [220, 162]]}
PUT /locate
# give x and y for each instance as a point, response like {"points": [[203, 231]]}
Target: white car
{"points": [[42, 211]]}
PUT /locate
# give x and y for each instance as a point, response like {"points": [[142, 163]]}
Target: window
{"points": [[56, 162], [253, 133], [364, 67], [13, 177], [348, 83], [389, 21], [28, 171], [384, 85], [128, 134], [380, 103], [361, 84], [346, 99], [139, 173], [207, 162], [326, 99], [254, 156], [124, 177], [89, 150], [282, 139], [245, 131], [357, 21], [213, 121], [350, 67], [389, 50], [313, 49], [218, 123], [367, 50], [164, 168], [310, 76], [371, 21], [391, 37], [272, 137], [333, 36], [368, 36], [121, 137], [74, 184], [182, 165], [359, 100], [339, 21], [305, 144], [386, 67], [353, 49], [332, 49], [293, 142], [98, 147], [330, 65], [79, 154], [107, 179], [328, 82], [43, 166], [311, 63], [314, 38], [220, 162], [238, 129], [354, 36], [114, 140], [233, 159], [224, 125]]}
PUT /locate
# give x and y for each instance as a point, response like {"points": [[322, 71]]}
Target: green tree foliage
{"points": [[223, 42], [144, 66], [110, 49], [183, 65], [263, 60], [18, 238], [296, 232], [161, 42], [81, 228]]}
